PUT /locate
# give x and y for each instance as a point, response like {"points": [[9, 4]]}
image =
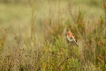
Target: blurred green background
{"points": [[16, 14], [18, 11]]}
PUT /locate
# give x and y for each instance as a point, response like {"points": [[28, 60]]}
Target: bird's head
{"points": [[67, 30]]}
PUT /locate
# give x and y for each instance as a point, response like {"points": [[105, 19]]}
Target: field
{"points": [[32, 35]]}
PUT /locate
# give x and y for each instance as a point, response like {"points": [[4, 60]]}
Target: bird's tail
{"points": [[76, 43]]}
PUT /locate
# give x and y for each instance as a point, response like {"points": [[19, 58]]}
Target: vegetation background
{"points": [[32, 35]]}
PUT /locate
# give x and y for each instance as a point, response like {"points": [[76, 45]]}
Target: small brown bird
{"points": [[70, 37]]}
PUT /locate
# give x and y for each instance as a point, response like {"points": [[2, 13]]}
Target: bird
{"points": [[70, 37]]}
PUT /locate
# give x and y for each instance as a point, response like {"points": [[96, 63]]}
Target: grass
{"points": [[35, 36]]}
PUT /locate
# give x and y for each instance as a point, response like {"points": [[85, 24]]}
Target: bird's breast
{"points": [[69, 34]]}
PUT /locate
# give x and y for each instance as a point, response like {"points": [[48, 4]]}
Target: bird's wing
{"points": [[75, 41], [72, 39], [69, 39]]}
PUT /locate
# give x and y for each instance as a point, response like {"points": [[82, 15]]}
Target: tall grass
{"points": [[51, 52]]}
